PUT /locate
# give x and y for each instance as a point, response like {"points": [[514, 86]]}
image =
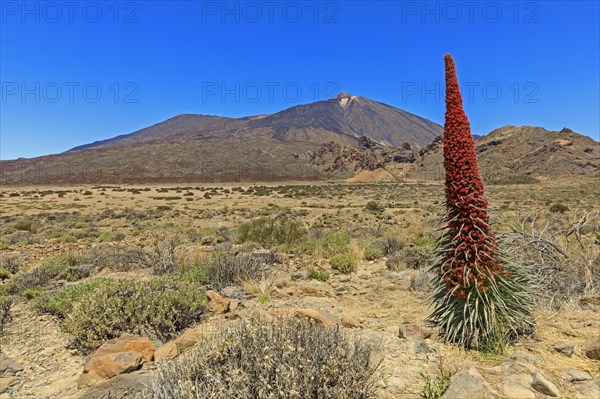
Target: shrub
{"points": [[410, 258], [374, 207], [479, 297], [61, 303], [225, 267], [159, 308], [564, 256], [422, 282], [257, 359], [4, 274], [38, 276], [5, 304], [559, 208], [11, 263], [318, 273], [269, 231], [25, 225], [389, 246], [333, 243], [343, 262], [372, 253]]}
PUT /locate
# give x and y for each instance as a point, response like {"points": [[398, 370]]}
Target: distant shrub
{"points": [[559, 208], [5, 304], [259, 359], [270, 231], [11, 263], [343, 262], [318, 273], [422, 282], [374, 207], [25, 225], [389, 246], [4, 274], [159, 308], [411, 258], [333, 243], [227, 267], [38, 276], [373, 253]]}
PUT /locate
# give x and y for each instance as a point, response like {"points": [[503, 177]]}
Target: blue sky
{"points": [[72, 73]]}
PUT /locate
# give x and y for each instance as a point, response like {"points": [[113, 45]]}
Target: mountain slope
{"points": [[527, 151], [278, 146]]}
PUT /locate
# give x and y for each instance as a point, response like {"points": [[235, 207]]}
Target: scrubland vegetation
{"points": [[113, 266]]}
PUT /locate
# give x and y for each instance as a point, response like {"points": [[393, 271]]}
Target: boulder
{"points": [[571, 375], [216, 303], [541, 384], [8, 367], [117, 356], [513, 389], [351, 322], [588, 389], [468, 384], [591, 348], [177, 346]]}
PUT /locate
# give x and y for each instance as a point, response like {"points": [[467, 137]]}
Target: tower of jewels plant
{"points": [[481, 298]]}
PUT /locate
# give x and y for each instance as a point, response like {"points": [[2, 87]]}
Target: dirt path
{"points": [[36, 342]]}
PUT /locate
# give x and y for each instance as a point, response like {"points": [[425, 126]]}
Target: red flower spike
{"points": [[466, 206]]}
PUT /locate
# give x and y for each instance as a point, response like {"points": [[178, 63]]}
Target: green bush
{"points": [[374, 207], [333, 243], [159, 308], [411, 258], [61, 303], [559, 208], [389, 246], [38, 276], [372, 253], [25, 225], [343, 262], [4, 274], [269, 231], [319, 274], [5, 304], [258, 359]]}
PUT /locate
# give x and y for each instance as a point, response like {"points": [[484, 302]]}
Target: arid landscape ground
{"points": [[351, 257]]}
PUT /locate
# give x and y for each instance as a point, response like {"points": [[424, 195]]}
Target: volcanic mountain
{"points": [[279, 146], [514, 153]]}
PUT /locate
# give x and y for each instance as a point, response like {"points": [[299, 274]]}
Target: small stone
{"points": [[351, 322], [591, 348], [571, 375], [566, 348], [379, 384], [394, 383], [321, 317], [418, 331], [541, 384], [7, 382], [421, 347], [586, 324]]}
